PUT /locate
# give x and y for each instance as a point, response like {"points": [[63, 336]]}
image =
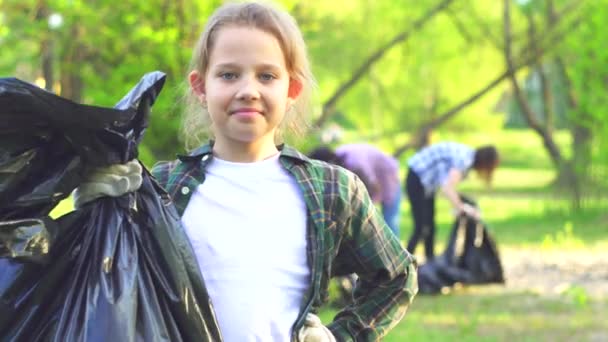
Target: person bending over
{"points": [[442, 166]]}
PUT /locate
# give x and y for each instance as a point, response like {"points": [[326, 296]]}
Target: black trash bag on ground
{"points": [[118, 269], [471, 257]]}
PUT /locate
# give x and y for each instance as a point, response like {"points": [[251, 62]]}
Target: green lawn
{"points": [[480, 314]]}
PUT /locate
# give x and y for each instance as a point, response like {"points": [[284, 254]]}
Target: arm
{"points": [[387, 272], [449, 190]]}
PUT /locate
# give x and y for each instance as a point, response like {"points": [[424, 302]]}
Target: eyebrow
{"points": [[236, 66]]}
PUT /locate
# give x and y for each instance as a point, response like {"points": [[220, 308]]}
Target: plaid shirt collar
{"points": [[289, 155], [183, 180]]}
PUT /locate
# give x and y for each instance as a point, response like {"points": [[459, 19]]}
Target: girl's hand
{"points": [[314, 331], [113, 180], [469, 210]]}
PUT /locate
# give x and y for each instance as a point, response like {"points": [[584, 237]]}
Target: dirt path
{"points": [[553, 272]]}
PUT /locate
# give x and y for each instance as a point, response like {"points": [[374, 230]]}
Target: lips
{"points": [[246, 111]]}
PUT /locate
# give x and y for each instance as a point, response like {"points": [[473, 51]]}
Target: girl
{"points": [[442, 166], [267, 225]]}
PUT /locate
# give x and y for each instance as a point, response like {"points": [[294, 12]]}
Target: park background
{"points": [[530, 76]]}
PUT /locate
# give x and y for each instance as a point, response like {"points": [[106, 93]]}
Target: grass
{"points": [[474, 316], [478, 315]]}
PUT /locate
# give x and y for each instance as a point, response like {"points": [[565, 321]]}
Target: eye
{"points": [[228, 76], [267, 76]]}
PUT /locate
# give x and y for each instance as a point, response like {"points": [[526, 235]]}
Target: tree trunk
{"points": [[581, 141], [46, 49], [566, 170], [71, 78], [545, 87]]}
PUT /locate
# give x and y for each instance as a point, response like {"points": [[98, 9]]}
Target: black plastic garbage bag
{"points": [[471, 257], [118, 269]]}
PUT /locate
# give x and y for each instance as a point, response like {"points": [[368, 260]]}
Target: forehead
{"points": [[244, 45]]}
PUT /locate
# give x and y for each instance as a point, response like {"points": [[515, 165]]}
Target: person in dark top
{"points": [[442, 166]]}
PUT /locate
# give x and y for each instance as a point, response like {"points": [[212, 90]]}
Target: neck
{"points": [[244, 152]]}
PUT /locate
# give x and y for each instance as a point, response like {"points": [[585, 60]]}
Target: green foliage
{"points": [[586, 63], [416, 80], [110, 44], [102, 48]]}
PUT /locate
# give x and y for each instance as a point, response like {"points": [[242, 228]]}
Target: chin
{"points": [[248, 137]]}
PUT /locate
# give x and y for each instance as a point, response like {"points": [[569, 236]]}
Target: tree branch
{"points": [[526, 109], [526, 60], [329, 105]]}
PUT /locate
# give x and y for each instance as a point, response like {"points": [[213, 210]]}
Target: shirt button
{"points": [[185, 190]]}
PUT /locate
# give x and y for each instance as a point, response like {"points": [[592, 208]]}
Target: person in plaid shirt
{"points": [[442, 166], [268, 226]]}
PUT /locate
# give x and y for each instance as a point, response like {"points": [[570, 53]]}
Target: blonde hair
{"points": [[263, 16]]}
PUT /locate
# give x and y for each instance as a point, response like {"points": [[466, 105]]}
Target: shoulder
{"points": [[337, 185], [312, 167], [330, 172], [324, 178], [162, 170]]}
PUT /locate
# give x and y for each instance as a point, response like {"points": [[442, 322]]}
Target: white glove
{"points": [[114, 180], [314, 331]]}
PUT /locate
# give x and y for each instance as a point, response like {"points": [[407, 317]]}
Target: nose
{"points": [[248, 90]]}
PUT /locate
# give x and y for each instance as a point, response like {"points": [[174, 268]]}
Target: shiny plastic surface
{"points": [[118, 269], [470, 257]]}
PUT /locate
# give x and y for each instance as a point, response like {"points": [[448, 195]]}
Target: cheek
{"points": [[214, 119]]}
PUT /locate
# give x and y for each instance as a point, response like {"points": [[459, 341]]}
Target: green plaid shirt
{"points": [[345, 234]]}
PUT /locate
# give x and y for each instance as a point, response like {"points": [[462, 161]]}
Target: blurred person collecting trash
{"points": [[268, 225], [442, 166], [378, 171]]}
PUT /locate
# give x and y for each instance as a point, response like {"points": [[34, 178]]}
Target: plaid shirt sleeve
{"points": [[387, 272]]}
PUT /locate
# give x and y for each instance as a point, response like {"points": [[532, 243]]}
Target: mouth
{"points": [[246, 111]]}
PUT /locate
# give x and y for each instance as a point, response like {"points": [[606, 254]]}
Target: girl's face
{"points": [[246, 89]]}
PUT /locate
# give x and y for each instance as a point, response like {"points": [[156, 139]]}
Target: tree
{"points": [[573, 172]]}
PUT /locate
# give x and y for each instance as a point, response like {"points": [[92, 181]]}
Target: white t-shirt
{"points": [[247, 226]]}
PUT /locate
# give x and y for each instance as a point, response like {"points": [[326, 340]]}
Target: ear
{"points": [[295, 88], [197, 84]]}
